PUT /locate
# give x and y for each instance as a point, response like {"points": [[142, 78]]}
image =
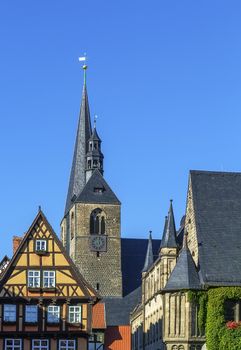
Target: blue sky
{"points": [[164, 78]]}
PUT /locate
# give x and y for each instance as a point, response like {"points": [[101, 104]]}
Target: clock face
{"points": [[98, 243]]}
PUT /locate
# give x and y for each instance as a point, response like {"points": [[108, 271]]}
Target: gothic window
{"points": [[180, 347], [97, 222], [89, 164], [232, 310], [72, 226], [95, 163]]}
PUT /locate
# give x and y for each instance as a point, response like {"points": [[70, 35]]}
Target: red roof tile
{"points": [[118, 338], [98, 316]]}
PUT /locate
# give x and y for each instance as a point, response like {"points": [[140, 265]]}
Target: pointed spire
{"points": [[77, 176], [185, 274], [169, 235], [149, 255]]}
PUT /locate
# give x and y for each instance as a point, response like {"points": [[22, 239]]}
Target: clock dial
{"points": [[98, 243]]}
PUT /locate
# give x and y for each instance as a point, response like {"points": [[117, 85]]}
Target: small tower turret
{"points": [[94, 156], [168, 249], [149, 255]]}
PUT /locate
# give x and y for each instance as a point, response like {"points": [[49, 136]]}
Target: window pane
{"points": [[9, 313], [41, 245], [67, 344], [34, 279], [13, 344], [31, 313], [40, 344], [49, 279], [229, 310], [74, 314], [53, 314]]}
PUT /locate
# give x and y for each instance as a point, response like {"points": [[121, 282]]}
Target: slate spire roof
{"points": [[169, 235], [149, 255], [77, 175], [216, 200], [185, 274]]}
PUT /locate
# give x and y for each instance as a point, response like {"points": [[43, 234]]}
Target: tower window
{"points": [[97, 222], [99, 189], [89, 164], [72, 226], [97, 286]]}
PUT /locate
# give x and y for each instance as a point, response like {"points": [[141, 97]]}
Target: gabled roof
{"points": [[169, 239], [149, 255], [184, 275], [89, 195], [217, 207], [77, 175], [89, 292]]}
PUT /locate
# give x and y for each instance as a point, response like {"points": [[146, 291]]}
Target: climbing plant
{"points": [[220, 335]]}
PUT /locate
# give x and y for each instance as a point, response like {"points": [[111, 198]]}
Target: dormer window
{"points": [[41, 246], [98, 189]]}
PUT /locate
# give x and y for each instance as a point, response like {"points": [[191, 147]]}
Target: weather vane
{"points": [[84, 59], [95, 120]]}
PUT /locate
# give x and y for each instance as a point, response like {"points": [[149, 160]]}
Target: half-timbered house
{"points": [[45, 303]]}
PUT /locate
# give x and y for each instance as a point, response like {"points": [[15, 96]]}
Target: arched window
{"points": [[97, 222], [72, 226]]}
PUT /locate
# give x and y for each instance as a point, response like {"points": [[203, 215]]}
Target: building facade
{"points": [[45, 303]]}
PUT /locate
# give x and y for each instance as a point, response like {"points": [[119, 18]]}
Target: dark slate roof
{"points": [[89, 196], [184, 274], [149, 255], [217, 204], [77, 175], [118, 309], [133, 253], [169, 236], [95, 136]]}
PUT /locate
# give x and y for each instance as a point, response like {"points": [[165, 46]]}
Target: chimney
{"points": [[16, 242]]}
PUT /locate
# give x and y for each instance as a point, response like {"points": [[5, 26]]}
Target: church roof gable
{"points": [[97, 191]]}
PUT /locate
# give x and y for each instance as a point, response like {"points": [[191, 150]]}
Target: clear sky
{"points": [[164, 78]]}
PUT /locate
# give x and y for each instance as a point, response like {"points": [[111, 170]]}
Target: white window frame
{"points": [[67, 345], [75, 314], [34, 278], [40, 346], [41, 245], [12, 345], [31, 313], [53, 314], [9, 318], [49, 279]]}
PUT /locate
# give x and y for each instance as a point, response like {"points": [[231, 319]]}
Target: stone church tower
{"points": [[90, 229]]}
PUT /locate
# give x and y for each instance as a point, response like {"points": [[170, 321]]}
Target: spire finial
{"points": [[84, 59]]}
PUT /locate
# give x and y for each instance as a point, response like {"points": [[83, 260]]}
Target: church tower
{"points": [[90, 229]]}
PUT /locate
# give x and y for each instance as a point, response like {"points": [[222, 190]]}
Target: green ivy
{"points": [[200, 298], [218, 337]]}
